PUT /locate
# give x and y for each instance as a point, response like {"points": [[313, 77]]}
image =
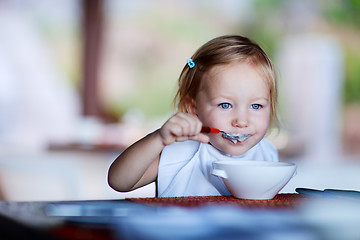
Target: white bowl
{"points": [[254, 179]]}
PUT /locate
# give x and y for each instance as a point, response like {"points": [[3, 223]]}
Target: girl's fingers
{"points": [[185, 125], [181, 139], [193, 126], [181, 127], [201, 138], [188, 124]]}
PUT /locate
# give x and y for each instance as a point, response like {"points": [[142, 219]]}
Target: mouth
{"points": [[236, 137]]}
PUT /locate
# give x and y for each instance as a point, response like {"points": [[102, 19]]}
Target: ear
{"points": [[191, 106]]}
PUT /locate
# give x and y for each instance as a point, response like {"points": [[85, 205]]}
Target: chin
{"points": [[233, 151], [236, 153]]}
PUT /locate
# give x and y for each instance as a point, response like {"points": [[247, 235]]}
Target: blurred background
{"points": [[82, 80]]}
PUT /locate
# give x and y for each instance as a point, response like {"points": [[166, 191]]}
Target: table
{"points": [[152, 218], [280, 201]]}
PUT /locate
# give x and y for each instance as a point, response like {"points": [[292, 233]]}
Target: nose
{"points": [[240, 121]]}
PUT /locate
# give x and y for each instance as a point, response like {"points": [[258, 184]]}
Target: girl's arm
{"points": [[138, 164]]}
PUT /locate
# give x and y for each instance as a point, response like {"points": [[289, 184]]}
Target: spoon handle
{"points": [[206, 129]]}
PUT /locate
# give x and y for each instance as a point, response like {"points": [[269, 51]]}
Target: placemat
{"points": [[284, 200]]}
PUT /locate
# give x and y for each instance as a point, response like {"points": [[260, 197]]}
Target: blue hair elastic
{"points": [[191, 63]]}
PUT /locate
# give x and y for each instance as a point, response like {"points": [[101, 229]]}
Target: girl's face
{"points": [[235, 99]]}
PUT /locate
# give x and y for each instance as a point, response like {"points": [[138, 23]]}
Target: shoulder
{"points": [[264, 143], [269, 151]]}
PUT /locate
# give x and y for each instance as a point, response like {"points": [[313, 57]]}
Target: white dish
{"points": [[254, 179]]}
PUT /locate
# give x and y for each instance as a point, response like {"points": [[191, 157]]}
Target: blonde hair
{"points": [[225, 50]]}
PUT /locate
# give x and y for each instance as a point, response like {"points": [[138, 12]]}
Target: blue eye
{"points": [[255, 106], [225, 105]]}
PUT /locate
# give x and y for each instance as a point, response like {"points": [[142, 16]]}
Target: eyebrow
{"points": [[262, 98]]}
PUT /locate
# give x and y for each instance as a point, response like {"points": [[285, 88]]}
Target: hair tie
{"points": [[191, 63]]}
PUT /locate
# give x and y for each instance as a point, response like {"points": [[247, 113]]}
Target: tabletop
{"points": [[149, 218], [284, 201]]}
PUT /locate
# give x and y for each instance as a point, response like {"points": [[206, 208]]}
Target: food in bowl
{"points": [[254, 179]]}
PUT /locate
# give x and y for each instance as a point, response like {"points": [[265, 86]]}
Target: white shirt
{"points": [[184, 168]]}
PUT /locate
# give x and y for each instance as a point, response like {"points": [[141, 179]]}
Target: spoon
{"points": [[233, 137]]}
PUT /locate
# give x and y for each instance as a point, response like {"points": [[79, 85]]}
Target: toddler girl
{"points": [[228, 84]]}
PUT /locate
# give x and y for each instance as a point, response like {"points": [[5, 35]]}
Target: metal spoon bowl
{"points": [[232, 137], [235, 137]]}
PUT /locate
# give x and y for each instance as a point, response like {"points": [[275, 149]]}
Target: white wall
{"points": [[52, 176]]}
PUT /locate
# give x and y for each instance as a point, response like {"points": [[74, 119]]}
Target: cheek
{"points": [[211, 119], [263, 122]]}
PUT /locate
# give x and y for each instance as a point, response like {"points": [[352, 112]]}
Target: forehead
{"points": [[228, 76]]}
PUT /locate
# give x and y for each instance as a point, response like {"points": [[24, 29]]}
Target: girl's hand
{"points": [[181, 127]]}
